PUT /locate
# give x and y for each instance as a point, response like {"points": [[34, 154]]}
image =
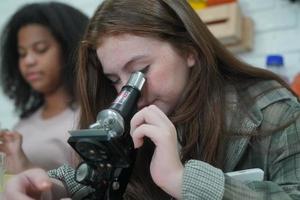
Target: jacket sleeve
{"points": [[282, 180], [66, 175], [203, 181]]}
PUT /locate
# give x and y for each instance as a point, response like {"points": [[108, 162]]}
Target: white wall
{"points": [[277, 30]]}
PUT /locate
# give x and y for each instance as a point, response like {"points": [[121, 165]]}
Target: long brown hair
{"points": [[200, 118]]}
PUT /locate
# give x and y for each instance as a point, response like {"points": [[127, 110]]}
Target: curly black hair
{"points": [[66, 24]]}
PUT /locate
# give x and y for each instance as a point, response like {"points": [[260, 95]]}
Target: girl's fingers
{"points": [[2, 133], [10, 136], [149, 115], [28, 185], [39, 179], [150, 131], [152, 123]]}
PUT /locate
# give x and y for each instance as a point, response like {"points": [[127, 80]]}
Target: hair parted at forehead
{"points": [[173, 21], [165, 19]]}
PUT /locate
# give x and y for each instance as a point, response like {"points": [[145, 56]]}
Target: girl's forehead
{"points": [[33, 33]]}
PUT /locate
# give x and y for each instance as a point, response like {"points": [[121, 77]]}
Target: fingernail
{"points": [[45, 184]]}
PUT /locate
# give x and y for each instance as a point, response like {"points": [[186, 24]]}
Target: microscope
{"points": [[106, 147]]}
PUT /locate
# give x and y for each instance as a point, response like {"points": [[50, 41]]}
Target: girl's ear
{"points": [[191, 57]]}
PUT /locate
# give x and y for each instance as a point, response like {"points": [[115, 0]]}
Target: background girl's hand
{"points": [[11, 145], [27, 185], [166, 168]]}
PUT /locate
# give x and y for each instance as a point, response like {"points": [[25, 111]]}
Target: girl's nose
{"points": [[119, 87], [30, 59]]}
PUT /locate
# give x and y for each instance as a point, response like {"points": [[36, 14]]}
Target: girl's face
{"points": [[40, 58], [166, 71]]}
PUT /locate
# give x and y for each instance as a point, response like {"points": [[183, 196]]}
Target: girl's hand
{"points": [[166, 168], [11, 145], [28, 185]]}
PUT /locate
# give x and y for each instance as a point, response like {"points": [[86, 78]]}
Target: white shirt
{"points": [[45, 140]]}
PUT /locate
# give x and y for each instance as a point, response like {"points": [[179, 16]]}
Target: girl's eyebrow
{"points": [[34, 43], [134, 59], [128, 63]]}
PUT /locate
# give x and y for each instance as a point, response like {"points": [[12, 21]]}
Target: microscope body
{"points": [[106, 146]]}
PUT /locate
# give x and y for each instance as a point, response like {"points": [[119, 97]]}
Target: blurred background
{"points": [[273, 28], [7, 7]]}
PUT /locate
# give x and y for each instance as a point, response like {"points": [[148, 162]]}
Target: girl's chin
{"points": [[163, 108]]}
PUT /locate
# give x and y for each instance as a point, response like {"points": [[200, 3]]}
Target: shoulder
{"points": [[261, 102], [266, 93], [36, 116], [70, 117], [275, 103]]}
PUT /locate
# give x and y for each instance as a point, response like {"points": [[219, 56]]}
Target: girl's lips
{"points": [[32, 76], [141, 105]]}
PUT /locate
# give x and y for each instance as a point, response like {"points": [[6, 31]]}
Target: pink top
{"points": [[45, 140]]}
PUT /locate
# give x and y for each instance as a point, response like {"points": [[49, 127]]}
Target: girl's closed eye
{"points": [[145, 69], [114, 81], [41, 48]]}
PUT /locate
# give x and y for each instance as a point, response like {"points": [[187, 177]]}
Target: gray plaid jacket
{"points": [[277, 154]]}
